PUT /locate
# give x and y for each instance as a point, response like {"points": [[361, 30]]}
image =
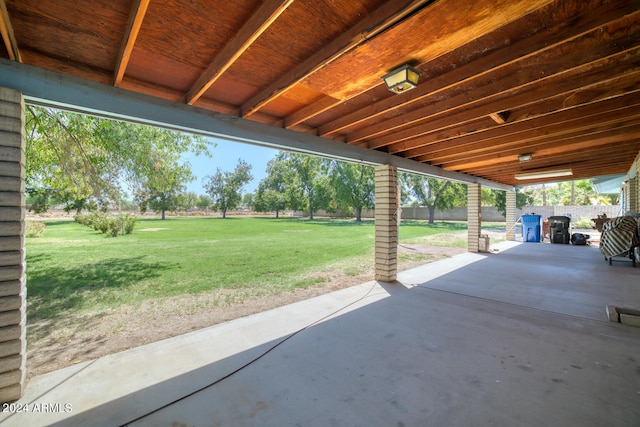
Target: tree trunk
{"points": [[573, 193], [277, 214], [432, 212], [224, 213], [358, 213], [163, 216]]}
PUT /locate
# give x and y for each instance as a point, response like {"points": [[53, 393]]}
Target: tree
{"points": [[225, 188], [500, 200], [433, 192], [204, 201], [248, 200], [306, 187], [271, 195], [158, 184], [84, 159], [186, 200], [159, 202], [268, 200], [354, 185], [577, 192]]}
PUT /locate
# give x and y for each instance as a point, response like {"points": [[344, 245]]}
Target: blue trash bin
{"points": [[531, 226]]}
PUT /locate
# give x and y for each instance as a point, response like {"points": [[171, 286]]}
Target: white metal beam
{"points": [[43, 87]]}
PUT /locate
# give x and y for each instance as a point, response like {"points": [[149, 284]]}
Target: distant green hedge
{"points": [[108, 224]]}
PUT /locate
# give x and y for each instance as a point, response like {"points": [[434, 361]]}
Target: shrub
{"points": [[102, 224], [83, 219], [115, 225], [35, 229], [108, 224], [582, 222], [129, 223]]}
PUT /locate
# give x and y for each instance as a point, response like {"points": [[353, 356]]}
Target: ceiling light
{"points": [[525, 157], [544, 174], [402, 79]]}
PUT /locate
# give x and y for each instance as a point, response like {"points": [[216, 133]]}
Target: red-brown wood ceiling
{"points": [[558, 79]]}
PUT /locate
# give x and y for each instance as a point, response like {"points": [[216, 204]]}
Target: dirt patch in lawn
{"points": [[79, 338]]}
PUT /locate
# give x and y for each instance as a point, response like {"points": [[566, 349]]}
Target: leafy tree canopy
{"points": [[433, 193], [271, 195], [500, 200], [353, 184], [84, 159], [225, 187], [565, 193]]}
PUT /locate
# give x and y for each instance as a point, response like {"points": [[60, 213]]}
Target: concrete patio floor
{"points": [[514, 338]]}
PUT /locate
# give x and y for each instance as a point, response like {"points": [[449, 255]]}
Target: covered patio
{"points": [[450, 343], [509, 92]]}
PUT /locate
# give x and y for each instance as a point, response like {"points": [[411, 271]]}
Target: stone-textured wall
{"points": [[12, 252]]}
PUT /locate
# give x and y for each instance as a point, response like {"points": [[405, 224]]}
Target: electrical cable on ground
{"points": [[252, 361]]}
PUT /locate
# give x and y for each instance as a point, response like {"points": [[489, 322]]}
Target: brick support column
{"points": [[637, 184], [386, 220], [511, 215], [632, 201], [12, 253], [474, 219]]}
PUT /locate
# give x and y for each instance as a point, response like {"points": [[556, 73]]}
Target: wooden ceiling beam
{"points": [[551, 147], [601, 150], [565, 23], [255, 26], [532, 145], [503, 160], [138, 11], [387, 15], [579, 165], [520, 84], [582, 168], [551, 112], [311, 110], [577, 119], [6, 29], [588, 78]]}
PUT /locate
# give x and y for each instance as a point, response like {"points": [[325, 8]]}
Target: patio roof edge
{"points": [[48, 88]]}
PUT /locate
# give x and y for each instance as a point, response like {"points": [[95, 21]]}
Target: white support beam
{"points": [[52, 89]]}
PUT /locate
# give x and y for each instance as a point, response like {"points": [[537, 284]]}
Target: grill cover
{"points": [[619, 236]]}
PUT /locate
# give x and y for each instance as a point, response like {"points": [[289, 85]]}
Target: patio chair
{"points": [[620, 238]]}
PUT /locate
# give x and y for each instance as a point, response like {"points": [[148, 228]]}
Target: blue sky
{"points": [[225, 156]]}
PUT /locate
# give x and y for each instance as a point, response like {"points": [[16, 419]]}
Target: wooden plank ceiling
{"points": [[555, 79]]}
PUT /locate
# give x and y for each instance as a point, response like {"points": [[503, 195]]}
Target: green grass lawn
{"points": [[72, 267]]}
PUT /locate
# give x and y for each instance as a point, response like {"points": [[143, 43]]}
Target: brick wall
{"points": [[386, 223], [12, 252]]}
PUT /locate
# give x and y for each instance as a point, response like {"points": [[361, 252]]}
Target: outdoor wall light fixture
{"points": [[523, 158], [402, 79], [544, 174]]}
